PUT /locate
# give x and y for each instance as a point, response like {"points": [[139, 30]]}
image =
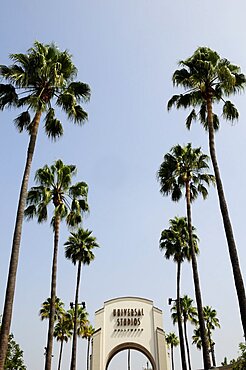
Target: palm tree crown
{"points": [[38, 79], [44, 311], [205, 74], [79, 247], [175, 240], [184, 165], [55, 187]]}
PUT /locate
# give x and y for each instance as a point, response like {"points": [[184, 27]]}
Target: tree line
{"points": [[207, 79], [37, 81]]}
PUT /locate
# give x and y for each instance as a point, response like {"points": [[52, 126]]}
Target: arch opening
{"points": [[136, 351]]}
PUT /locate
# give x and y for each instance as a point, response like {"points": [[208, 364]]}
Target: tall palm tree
{"points": [[172, 341], [209, 79], [189, 313], [175, 242], [63, 331], [79, 249], [36, 80], [69, 201], [88, 332], [185, 169], [211, 320]]}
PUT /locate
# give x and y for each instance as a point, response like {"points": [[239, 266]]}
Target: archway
{"points": [[129, 322], [131, 346], [129, 359]]}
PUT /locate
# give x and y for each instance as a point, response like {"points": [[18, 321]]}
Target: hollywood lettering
{"points": [[128, 316]]}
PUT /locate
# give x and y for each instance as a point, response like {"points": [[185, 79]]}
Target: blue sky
{"points": [[126, 51]]}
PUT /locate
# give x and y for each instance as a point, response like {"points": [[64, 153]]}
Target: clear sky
{"points": [[126, 51]]}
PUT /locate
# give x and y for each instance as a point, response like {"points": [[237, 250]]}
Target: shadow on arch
{"points": [[130, 345]]}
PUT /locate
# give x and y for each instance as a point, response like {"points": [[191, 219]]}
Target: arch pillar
{"points": [[129, 322]]}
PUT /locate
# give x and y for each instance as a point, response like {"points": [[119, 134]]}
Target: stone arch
{"points": [[130, 345], [129, 322]]}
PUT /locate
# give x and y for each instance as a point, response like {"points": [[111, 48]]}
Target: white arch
{"points": [[129, 322]]}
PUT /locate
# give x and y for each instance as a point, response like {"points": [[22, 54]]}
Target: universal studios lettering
{"points": [[128, 316]]}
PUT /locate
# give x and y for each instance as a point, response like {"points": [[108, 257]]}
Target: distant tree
{"points": [[35, 82], [44, 311], [240, 363], [212, 322], [88, 333], [189, 313], [172, 341], [174, 242], [79, 249], [63, 331], [209, 80]]}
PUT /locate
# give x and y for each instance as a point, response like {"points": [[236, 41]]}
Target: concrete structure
{"points": [[129, 322]]}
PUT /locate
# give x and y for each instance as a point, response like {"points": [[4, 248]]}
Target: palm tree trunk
{"points": [[213, 354], [181, 336], [211, 344], [88, 352], [205, 349], [172, 357], [74, 346], [238, 279], [187, 343], [13, 265], [52, 297], [60, 355]]}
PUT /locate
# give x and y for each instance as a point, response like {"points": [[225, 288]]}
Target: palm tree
{"points": [[37, 79], [185, 169], [211, 320], [88, 333], [175, 242], [189, 313], [63, 332], [69, 201], [79, 249], [172, 341], [82, 318], [208, 79], [44, 311]]}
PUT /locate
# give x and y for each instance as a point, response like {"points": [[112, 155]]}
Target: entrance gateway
{"points": [[129, 323]]}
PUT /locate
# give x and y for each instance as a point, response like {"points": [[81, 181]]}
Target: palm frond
{"points": [[8, 96], [53, 126], [30, 212], [191, 117], [80, 90], [77, 114], [80, 189], [42, 212], [230, 112], [23, 121]]}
